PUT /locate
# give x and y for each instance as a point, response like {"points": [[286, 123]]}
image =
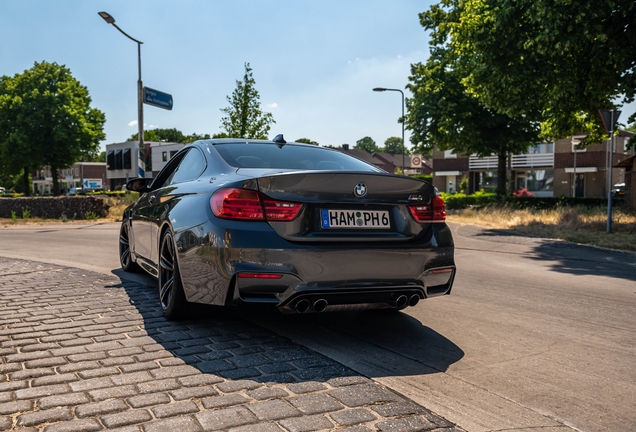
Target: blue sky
{"points": [[315, 63]]}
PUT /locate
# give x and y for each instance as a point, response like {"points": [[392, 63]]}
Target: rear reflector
{"points": [[438, 271], [433, 212], [247, 204], [260, 275]]}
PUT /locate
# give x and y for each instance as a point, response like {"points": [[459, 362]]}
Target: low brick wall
{"points": [[74, 207]]}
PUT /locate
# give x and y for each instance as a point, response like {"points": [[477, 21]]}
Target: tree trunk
{"points": [[27, 184], [56, 189], [502, 165]]}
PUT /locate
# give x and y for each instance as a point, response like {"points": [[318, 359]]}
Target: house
{"points": [[414, 164], [546, 169], [124, 161], [90, 175], [629, 179]]}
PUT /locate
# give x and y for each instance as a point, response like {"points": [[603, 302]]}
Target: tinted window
{"points": [[289, 157], [118, 160], [127, 159], [110, 159], [190, 168]]}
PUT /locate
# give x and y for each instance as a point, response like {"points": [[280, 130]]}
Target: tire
{"points": [[171, 297], [124, 249]]}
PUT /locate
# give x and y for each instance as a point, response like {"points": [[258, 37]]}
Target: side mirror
{"points": [[138, 184]]}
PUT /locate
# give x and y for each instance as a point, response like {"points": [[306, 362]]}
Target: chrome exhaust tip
{"points": [[302, 306], [415, 299], [401, 301], [320, 305]]}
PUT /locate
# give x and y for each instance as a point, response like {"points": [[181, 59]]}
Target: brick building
{"points": [[90, 175]]}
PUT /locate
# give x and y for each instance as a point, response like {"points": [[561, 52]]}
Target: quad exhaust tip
{"points": [[302, 306], [320, 305], [415, 299], [401, 301]]}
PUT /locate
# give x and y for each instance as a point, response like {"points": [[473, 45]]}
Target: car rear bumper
{"points": [[311, 277]]}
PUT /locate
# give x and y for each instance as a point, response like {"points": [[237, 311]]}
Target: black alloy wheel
{"points": [[124, 248], [171, 296]]}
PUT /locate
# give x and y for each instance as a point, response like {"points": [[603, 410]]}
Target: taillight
{"points": [[433, 212], [281, 210], [247, 204], [241, 204]]}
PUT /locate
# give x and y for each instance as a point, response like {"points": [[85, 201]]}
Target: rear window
{"points": [[256, 155]]}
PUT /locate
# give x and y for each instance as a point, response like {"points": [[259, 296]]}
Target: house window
{"points": [[540, 181], [164, 156], [173, 152], [541, 148], [576, 143], [450, 154]]}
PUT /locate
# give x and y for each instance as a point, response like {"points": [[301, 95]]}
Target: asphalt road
{"points": [[536, 334]]}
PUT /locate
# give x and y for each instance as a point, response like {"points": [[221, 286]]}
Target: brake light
{"points": [[247, 204], [433, 212]]}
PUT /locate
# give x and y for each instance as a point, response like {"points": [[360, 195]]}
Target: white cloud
{"points": [[146, 125], [272, 105]]}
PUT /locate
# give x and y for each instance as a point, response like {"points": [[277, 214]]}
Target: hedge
{"points": [[480, 199]]}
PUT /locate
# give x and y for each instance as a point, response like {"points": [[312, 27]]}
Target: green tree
{"points": [[394, 144], [443, 114], [367, 144], [556, 61], [244, 117], [95, 156], [306, 141], [46, 119], [168, 135]]}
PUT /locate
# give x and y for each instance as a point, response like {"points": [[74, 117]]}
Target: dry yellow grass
{"points": [[575, 224]]}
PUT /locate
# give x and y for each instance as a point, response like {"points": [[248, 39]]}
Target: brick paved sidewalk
{"points": [[82, 351]]}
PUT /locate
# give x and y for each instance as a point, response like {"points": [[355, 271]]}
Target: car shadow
{"points": [[242, 343]]}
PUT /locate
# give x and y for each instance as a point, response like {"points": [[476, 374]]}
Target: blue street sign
{"points": [[156, 98]]}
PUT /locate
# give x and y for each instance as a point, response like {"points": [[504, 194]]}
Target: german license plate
{"points": [[378, 219]]}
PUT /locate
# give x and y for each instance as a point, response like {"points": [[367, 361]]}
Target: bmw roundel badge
{"points": [[360, 190]]}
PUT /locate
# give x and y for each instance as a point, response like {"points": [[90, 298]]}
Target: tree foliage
{"points": [[46, 119], [394, 145], [367, 144], [557, 61], [306, 141], [244, 117], [443, 113], [169, 135]]}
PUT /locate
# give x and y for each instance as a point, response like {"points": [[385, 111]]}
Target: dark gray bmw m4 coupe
{"points": [[298, 227]]}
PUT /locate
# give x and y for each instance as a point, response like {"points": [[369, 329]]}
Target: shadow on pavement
{"points": [[234, 343], [570, 258], [577, 259]]}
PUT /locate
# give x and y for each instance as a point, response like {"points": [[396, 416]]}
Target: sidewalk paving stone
{"points": [[83, 352]]}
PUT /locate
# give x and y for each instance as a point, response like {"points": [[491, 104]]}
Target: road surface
{"points": [[536, 334]]}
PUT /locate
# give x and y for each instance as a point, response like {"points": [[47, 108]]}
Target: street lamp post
{"points": [[382, 89], [140, 107]]}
